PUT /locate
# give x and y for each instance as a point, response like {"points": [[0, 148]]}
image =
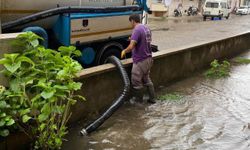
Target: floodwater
{"points": [[213, 114]]}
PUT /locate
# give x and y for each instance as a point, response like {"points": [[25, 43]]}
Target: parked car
{"points": [[243, 10], [216, 8]]}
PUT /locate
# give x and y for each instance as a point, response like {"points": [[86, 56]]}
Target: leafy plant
{"points": [[6, 119], [218, 70], [41, 91], [171, 97]]}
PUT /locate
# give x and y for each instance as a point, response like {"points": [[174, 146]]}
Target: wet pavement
{"points": [[211, 115], [176, 32]]}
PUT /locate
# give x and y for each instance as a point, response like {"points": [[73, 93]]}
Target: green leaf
{"points": [[7, 118], [12, 57], [42, 126], [58, 141], [58, 109], [34, 43], [2, 122], [15, 85], [80, 97], [54, 127], [61, 87], [43, 117], [2, 115], [3, 104], [35, 98], [10, 122], [72, 101], [4, 61], [12, 67], [78, 53], [24, 111], [75, 86], [46, 109], [26, 118], [4, 132], [25, 59], [47, 94]]}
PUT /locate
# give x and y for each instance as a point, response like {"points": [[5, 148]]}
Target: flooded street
{"points": [[212, 114], [184, 31]]}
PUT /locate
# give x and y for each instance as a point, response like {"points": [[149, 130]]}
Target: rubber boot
{"points": [[151, 93], [138, 95]]}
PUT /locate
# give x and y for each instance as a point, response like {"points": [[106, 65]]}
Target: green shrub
{"points": [[218, 70], [41, 91]]}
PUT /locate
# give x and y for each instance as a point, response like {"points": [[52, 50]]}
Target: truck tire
{"points": [[110, 52], [220, 17]]}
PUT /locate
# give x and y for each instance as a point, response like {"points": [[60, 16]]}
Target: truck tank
{"points": [[14, 9]]}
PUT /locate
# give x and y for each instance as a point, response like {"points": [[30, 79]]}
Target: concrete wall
{"points": [[102, 84]]}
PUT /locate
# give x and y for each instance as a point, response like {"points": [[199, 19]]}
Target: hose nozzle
{"points": [[83, 132]]}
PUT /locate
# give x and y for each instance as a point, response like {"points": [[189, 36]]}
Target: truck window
{"points": [[212, 5], [223, 5]]}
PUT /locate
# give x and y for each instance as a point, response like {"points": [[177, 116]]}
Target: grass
{"points": [[175, 96], [241, 60]]}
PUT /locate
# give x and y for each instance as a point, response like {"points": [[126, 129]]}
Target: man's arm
{"points": [[130, 47]]}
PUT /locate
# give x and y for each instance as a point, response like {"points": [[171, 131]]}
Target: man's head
{"points": [[134, 19]]}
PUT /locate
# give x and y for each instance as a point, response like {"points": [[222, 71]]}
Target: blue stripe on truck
{"points": [[80, 16]]}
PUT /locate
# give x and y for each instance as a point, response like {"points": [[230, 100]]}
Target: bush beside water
{"points": [[218, 70], [41, 91]]}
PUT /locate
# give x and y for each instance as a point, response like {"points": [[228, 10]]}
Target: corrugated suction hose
{"points": [[116, 104]]}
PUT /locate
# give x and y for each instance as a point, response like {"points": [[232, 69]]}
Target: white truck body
{"points": [[216, 8]]}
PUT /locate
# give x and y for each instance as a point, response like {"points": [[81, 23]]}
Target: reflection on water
{"points": [[213, 114]]}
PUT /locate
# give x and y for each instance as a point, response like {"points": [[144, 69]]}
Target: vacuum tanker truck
{"points": [[99, 28]]}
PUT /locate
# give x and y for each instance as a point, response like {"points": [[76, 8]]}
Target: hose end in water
{"points": [[83, 132]]}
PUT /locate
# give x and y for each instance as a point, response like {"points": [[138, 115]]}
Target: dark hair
{"points": [[135, 17]]}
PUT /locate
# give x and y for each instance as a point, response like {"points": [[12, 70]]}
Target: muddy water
{"points": [[213, 114]]}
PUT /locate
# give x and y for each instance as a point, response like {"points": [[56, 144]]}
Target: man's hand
{"points": [[123, 54]]}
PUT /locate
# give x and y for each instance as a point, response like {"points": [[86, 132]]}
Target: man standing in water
{"points": [[140, 45]]}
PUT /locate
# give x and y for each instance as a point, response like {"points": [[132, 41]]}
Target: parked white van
{"points": [[216, 8]]}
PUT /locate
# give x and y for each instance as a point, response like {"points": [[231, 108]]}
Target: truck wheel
{"points": [[110, 52], [220, 17]]}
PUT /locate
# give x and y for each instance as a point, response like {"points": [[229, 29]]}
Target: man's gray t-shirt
{"points": [[142, 36]]}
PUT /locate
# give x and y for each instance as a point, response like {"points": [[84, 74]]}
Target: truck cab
{"points": [[216, 8]]}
